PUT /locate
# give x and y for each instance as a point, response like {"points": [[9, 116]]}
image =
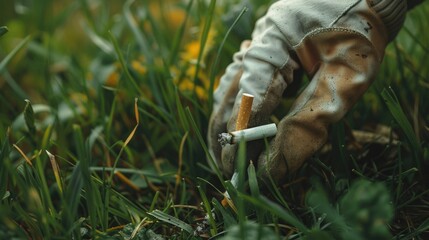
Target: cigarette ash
{"points": [[224, 139]]}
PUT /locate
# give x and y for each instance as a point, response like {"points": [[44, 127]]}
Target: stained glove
{"points": [[339, 44]]}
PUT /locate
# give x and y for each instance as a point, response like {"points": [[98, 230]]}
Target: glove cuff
{"points": [[392, 13]]}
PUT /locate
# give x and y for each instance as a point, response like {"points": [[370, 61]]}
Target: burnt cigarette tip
{"points": [[224, 139]]}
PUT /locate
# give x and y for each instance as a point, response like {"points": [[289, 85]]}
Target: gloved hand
{"points": [[339, 44]]}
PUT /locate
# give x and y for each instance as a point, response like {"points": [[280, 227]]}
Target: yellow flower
{"points": [[113, 79], [138, 67], [193, 48], [185, 81], [175, 17], [188, 86], [168, 12], [189, 58]]}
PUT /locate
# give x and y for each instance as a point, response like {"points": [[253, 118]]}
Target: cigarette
{"points": [[249, 134], [244, 112]]}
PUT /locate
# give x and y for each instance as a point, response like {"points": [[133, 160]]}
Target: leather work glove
{"points": [[339, 45]]}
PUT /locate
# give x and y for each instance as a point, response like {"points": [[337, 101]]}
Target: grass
{"points": [[104, 109]]}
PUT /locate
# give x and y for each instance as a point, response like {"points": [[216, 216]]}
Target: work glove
{"points": [[339, 44]]}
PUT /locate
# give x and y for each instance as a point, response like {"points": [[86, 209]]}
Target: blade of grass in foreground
{"points": [[171, 220], [241, 168], [72, 199], [275, 209], [148, 52], [228, 219], [121, 59], [9, 57], [216, 63], [180, 35], [137, 33], [29, 117], [18, 90], [398, 114], [107, 197], [4, 152], [207, 207], [204, 36], [204, 146], [254, 190]]}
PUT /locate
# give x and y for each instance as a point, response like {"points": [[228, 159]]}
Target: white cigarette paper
{"points": [[248, 134]]}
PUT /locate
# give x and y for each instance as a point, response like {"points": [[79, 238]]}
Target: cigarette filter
{"points": [[244, 111], [249, 134]]}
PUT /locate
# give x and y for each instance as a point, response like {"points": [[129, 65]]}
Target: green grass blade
{"points": [[91, 192], [18, 90], [254, 190], [228, 219], [272, 185], [250, 230], [424, 227], [47, 137], [95, 133], [138, 35], [398, 114], [154, 201], [275, 209], [207, 207], [416, 39], [253, 182], [203, 145], [241, 166], [134, 85], [88, 13], [145, 48], [42, 184], [180, 34], [72, 199], [99, 41], [219, 51], [9, 57], [204, 36], [4, 152], [171, 220], [241, 176], [29, 117], [181, 112]]}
